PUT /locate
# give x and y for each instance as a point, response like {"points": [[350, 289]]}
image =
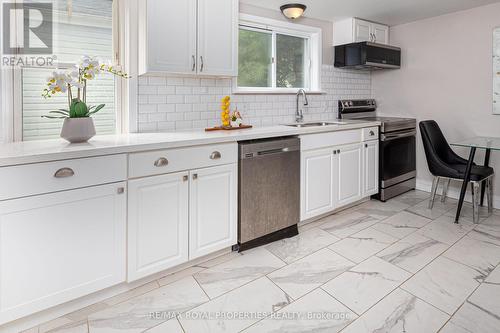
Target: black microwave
{"points": [[367, 56]]}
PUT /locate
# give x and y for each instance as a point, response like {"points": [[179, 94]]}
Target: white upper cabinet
{"points": [[197, 37], [362, 31], [356, 30], [212, 209], [217, 37], [167, 39], [380, 33]]}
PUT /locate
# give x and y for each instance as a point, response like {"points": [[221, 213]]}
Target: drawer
{"points": [[328, 139], [172, 160], [30, 179], [370, 133]]}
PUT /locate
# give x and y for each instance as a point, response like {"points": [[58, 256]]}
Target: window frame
{"points": [[274, 27], [12, 123]]}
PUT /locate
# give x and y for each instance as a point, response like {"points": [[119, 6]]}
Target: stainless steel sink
{"points": [[317, 124]]}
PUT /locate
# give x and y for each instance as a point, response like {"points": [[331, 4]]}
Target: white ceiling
{"points": [[391, 12]]}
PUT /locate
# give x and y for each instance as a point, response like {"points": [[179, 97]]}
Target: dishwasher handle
{"points": [[273, 151], [268, 152]]}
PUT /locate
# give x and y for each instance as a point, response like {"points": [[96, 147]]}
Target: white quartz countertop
{"points": [[58, 149]]}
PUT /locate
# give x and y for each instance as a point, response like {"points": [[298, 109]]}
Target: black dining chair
{"points": [[445, 164]]}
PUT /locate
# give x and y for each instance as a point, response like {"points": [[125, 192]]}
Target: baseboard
{"points": [[453, 191]]}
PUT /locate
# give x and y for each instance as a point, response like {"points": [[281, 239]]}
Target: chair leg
{"points": [[445, 189], [476, 197], [435, 183], [489, 194]]}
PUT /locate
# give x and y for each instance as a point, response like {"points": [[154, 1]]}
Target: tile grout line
{"points": [[400, 286]]}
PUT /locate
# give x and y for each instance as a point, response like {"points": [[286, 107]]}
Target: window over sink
{"points": [[276, 56]]}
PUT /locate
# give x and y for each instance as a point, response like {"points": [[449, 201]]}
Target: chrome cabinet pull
{"points": [[161, 162], [215, 155], [64, 173], [202, 64], [194, 63], [195, 176], [185, 178], [334, 152], [366, 145]]}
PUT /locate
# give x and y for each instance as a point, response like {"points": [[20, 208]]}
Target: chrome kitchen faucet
{"points": [[299, 115]]}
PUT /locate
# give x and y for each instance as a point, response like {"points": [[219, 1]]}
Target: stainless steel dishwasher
{"points": [[269, 190]]}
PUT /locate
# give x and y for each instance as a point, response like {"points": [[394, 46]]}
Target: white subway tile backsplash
{"points": [[157, 99], [169, 103], [157, 81]]}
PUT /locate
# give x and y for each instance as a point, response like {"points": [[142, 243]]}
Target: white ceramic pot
{"points": [[76, 130]]}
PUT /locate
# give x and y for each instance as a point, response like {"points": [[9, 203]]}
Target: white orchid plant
{"points": [[77, 77]]}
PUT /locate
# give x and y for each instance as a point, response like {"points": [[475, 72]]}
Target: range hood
{"points": [[367, 56]]}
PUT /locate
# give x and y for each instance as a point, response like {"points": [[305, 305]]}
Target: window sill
{"points": [[276, 92]]}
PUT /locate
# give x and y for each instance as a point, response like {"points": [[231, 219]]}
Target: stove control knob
{"points": [[351, 103]]}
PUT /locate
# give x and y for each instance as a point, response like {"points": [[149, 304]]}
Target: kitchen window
{"points": [[276, 56], [83, 27]]}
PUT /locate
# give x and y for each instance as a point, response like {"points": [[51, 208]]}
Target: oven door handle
{"points": [[389, 137]]}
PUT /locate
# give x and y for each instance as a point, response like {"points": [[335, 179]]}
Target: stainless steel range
{"points": [[397, 160]]}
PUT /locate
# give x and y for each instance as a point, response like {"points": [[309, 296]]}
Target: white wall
{"points": [[446, 75]]}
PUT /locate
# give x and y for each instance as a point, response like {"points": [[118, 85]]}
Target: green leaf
{"points": [[80, 110], [72, 109], [97, 109], [64, 113]]}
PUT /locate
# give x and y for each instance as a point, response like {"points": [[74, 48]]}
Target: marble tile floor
{"points": [[376, 267]]}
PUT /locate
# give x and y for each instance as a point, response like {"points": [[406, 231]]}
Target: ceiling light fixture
{"points": [[293, 10]]}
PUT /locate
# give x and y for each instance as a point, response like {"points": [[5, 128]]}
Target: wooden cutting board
{"points": [[222, 128]]}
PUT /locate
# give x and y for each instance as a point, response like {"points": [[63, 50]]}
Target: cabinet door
{"points": [[370, 168], [212, 209], [362, 31], [60, 246], [157, 224], [349, 174], [317, 194], [381, 33], [218, 37], [171, 36]]}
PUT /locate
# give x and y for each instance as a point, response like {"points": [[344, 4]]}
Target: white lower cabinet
{"points": [[212, 209], [317, 182], [176, 217], [348, 172], [157, 224], [60, 246], [370, 161], [337, 170]]}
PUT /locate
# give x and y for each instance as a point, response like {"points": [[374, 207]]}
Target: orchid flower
{"points": [[61, 82]]}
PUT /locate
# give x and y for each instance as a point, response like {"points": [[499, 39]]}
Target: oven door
{"points": [[397, 157]]}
